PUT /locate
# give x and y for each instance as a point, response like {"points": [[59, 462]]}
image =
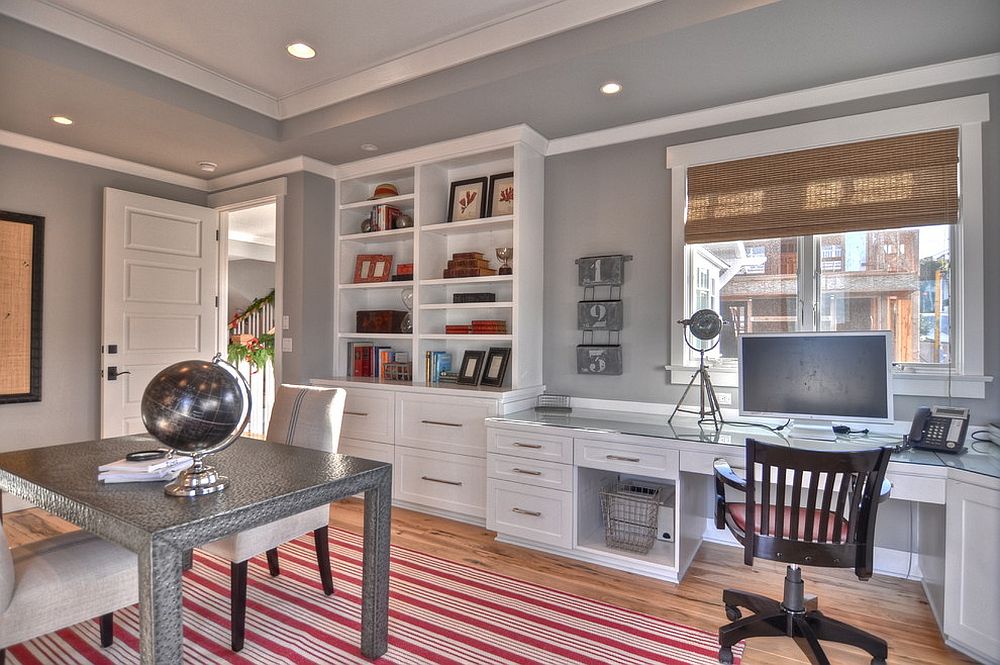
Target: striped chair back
{"points": [[307, 416]]}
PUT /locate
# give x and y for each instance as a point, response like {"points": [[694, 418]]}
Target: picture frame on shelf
{"points": [[495, 366], [501, 198], [371, 268], [467, 200], [472, 367]]}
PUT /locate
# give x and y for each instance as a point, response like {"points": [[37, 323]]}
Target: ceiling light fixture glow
{"points": [[369, 147], [61, 120], [611, 88], [301, 50]]}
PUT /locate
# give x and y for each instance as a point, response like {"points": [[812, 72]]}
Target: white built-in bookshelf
{"points": [[423, 179]]}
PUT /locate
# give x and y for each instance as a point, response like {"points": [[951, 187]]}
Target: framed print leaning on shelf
{"points": [[472, 367], [501, 199], [495, 367], [468, 200], [370, 268]]}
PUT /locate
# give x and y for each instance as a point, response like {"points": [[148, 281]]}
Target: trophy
{"points": [[505, 254]]}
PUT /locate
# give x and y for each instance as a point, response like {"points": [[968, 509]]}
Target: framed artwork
{"points": [[602, 270], [468, 200], [20, 307], [501, 199], [472, 367], [372, 268], [495, 366], [603, 359], [599, 315]]}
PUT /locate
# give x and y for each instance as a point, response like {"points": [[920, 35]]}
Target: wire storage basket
{"points": [[630, 509]]}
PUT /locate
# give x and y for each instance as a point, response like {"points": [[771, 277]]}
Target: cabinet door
{"points": [[443, 423], [368, 415], [972, 576], [453, 483], [534, 513]]}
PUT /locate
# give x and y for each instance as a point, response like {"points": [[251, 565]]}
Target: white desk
{"points": [[545, 474]]}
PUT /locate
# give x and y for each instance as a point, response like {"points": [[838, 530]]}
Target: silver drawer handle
{"points": [[518, 444], [438, 422], [444, 482], [522, 511], [527, 472], [619, 458], [356, 413]]}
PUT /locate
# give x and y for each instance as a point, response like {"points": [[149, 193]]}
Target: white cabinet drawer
{"points": [[455, 483], [447, 424], [530, 445], [380, 452], [533, 513], [704, 463], [650, 461], [531, 472], [368, 415]]}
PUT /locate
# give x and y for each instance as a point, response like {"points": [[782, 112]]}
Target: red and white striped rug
{"points": [[439, 612]]}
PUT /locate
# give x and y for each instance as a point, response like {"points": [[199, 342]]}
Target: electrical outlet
{"points": [[284, 322], [286, 343], [725, 399]]}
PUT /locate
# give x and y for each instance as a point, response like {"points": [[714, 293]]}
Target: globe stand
{"points": [[196, 480], [706, 325]]}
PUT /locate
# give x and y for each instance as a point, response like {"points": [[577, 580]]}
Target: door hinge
{"points": [[216, 301], [216, 235]]}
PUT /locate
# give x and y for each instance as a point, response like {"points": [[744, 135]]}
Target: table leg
{"points": [[160, 628], [375, 569]]}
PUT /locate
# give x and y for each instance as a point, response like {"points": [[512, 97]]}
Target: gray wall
{"points": [[70, 197], [248, 280], [308, 277], [617, 199]]}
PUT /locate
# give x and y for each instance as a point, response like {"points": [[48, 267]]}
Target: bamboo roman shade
{"points": [[881, 184]]}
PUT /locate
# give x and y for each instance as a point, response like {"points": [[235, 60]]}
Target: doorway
{"points": [[250, 304]]}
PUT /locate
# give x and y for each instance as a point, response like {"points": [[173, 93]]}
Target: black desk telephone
{"points": [[939, 428]]}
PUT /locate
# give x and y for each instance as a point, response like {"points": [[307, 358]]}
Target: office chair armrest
{"points": [[725, 473], [885, 491]]}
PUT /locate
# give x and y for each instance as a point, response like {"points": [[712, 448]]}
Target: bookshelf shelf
{"points": [[469, 338], [470, 226], [375, 285], [391, 200], [454, 281], [372, 336], [377, 236], [469, 305]]}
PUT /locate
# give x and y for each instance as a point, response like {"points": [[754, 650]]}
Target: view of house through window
{"points": [[896, 280]]}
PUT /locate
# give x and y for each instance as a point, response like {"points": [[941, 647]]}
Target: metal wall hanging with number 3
{"points": [[599, 319]]}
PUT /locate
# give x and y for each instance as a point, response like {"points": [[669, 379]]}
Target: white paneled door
{"points": [[161, 264]]}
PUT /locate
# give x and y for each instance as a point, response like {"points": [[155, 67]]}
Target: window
{"points": [[887, 245]]}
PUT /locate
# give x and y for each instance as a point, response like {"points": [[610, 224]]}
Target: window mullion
{"points": [[808, 309]]}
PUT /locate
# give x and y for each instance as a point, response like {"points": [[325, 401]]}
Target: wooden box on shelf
{"points": [[380, 321]]}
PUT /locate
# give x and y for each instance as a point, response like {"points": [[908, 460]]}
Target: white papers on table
{"points": [[124, 471]]}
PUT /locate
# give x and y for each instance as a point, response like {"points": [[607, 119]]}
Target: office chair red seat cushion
{"points": [[738, 511]]}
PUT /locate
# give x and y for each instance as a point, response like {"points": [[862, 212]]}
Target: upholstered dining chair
{"points": [[801, 506], [60, 581], [302, 416]]}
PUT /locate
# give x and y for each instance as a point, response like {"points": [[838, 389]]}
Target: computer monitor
{"points": [[815, 378]]}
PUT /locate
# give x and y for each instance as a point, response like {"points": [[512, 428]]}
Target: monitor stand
{"points": [[817, 430]]}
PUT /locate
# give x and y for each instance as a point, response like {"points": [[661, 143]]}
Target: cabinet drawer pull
{"points": [[356, 413], [529, 513], [457, 483], [438, 422], [619, 458], [518, 444], [527, 472]]}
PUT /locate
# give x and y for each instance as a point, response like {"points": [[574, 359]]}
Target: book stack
{"points": [[458, 329], [489, 327], [124, 471], [383, 217], [468, 264], [404, 272], [365, 359], [440, 362]]}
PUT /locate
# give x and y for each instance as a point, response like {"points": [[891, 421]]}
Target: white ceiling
{"points": [[169, 84]]}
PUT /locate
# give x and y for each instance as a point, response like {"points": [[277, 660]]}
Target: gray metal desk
{"points": [[269, 481]]}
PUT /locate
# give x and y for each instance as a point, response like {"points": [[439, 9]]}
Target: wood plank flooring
{"points": [[891, 608]]}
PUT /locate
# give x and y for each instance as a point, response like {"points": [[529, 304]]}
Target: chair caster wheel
{"points": [[733, 613], [726, 655]]}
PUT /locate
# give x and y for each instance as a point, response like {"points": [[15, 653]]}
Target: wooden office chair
{"points": [[802, 507], [302, 416], [58, 582]]}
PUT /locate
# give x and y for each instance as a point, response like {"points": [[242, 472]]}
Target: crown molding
{"points": [[872, 86], [272, 170], [99, 160], [119, 44]]}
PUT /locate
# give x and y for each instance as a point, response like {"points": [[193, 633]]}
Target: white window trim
{"points": [[967, 113]]}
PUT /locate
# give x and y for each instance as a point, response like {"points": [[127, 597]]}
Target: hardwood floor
{"points": [[891, 608]]}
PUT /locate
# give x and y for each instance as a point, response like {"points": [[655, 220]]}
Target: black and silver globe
{"points": [[197, 407]]}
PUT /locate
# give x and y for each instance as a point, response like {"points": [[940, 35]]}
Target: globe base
{"points": [[196, 482]]}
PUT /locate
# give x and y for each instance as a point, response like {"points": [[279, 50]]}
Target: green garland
{"points": [[258, 351]]}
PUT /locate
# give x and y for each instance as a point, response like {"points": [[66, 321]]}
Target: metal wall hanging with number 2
{"points": [[600, 320]]}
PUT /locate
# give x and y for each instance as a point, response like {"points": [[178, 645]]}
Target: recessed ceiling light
{"points": [[61, 120], [611, 88], [300, 50], [369, 147], [208, 167]]}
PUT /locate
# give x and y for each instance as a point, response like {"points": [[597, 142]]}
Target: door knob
{"points": [[113, 373]]}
